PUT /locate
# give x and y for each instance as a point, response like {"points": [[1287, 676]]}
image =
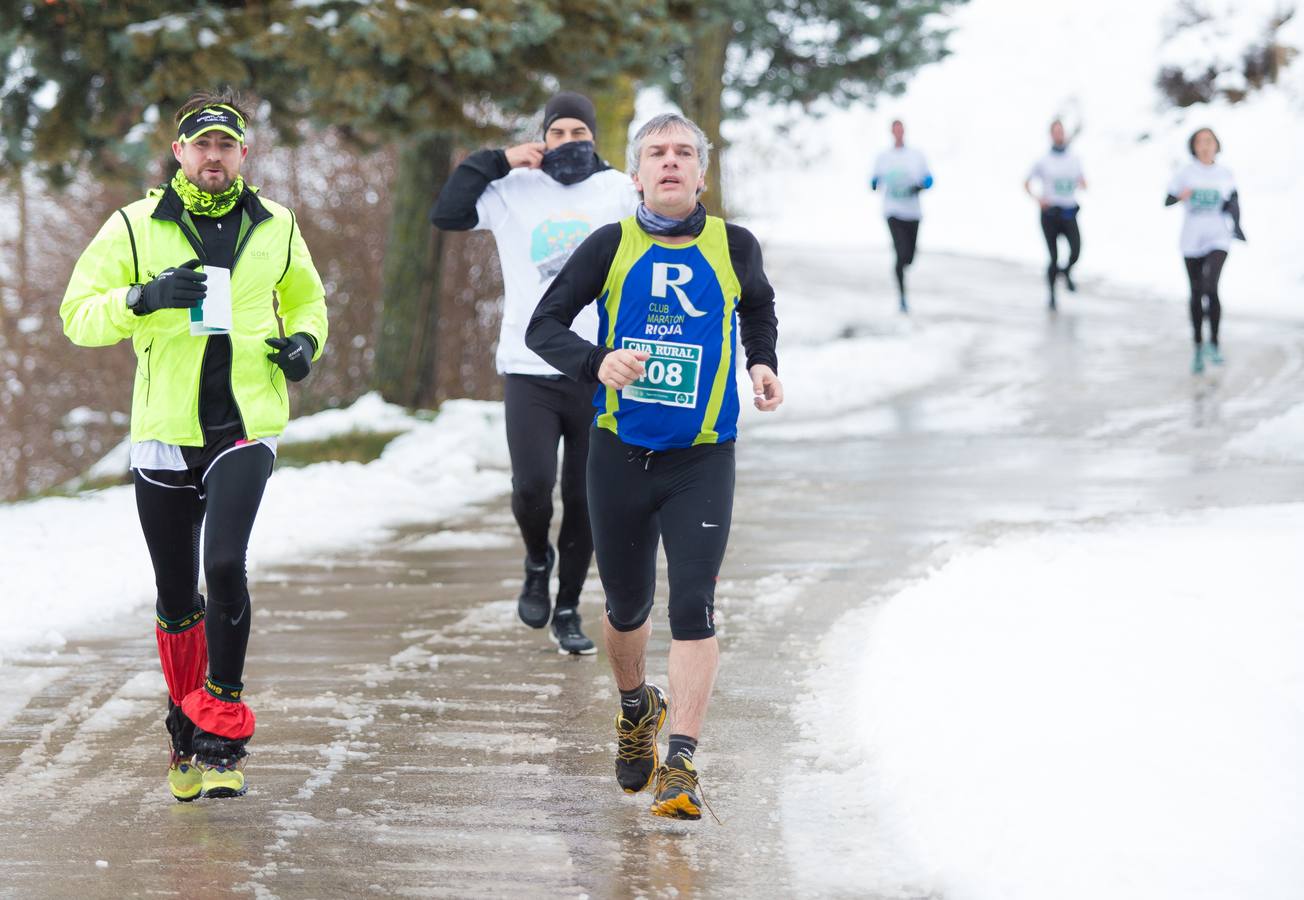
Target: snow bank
{"points": [[1081, 714], [68, 563], [1279, 439]]}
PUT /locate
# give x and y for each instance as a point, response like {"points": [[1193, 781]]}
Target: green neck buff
{"points": [[201, 203]]}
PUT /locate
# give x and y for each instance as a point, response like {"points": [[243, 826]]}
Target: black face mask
{"points": [[572, 163]]}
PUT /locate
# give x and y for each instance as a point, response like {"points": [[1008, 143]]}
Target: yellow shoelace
{"points": [[636, 743], [671, 776]]}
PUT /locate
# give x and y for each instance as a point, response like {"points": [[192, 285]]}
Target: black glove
{"points": [[916, 188], [293, 355], [177, 288]]}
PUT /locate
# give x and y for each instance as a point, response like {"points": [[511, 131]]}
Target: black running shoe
{"points": [[534, 605], [636, 743], [677, 790], [567, 635]]}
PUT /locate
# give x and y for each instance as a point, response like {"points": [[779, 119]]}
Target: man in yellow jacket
{"points": [[207, 407]]}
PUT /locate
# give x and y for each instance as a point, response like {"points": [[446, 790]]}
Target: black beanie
{"points": [[570, 105]]}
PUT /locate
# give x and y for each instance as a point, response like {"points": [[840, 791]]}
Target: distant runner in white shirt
{"points": [[1059, 176], [1213, 220], [541, 200], [902, 172]]}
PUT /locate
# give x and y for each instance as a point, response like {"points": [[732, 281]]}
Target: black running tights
{"points": [[1204, 272], [1054, 222], [905, 234], [540, 413], [681, 499], [171, 518]]}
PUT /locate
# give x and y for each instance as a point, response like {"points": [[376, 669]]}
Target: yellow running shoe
{"points": [[223, 781], [183, 778], [636, 743], [677, 790]]}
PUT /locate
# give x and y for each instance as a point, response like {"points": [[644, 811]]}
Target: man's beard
{"points": [[208, 186]]}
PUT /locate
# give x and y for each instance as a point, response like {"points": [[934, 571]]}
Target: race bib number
{"points": [[670, 374], [1064, 187], [1206, 199]]}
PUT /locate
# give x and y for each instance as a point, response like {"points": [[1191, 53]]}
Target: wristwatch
{"points": [[133, 298]]}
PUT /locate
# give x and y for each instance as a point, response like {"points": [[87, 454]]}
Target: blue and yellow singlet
{"points": [[680, 303]]}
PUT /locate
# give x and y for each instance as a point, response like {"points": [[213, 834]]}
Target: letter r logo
{"points": [[663, 279]]}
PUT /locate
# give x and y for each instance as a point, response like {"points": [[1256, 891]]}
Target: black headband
{"points": [[211, 118]]}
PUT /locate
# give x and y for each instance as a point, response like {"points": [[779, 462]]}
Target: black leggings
{"points": [[905, 233], [1204, 272], [171, 515], [639, 497], [540, 412], [1054, 222]]}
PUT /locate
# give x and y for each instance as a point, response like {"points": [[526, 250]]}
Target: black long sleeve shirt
{"points": [[454, 208], [580, 282]]}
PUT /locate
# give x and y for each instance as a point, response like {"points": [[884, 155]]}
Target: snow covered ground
{"points": [[1089, 712]]}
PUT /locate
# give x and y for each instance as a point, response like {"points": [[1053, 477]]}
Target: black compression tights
{"points": [[905, 234], [540, 413], [680, 499], [171, 518], [1203, 273], [1053, 224]]}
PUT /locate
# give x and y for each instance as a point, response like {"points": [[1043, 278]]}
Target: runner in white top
{"points": [[1059, 174], [902, 172], [1212, 221], [541, 200]]}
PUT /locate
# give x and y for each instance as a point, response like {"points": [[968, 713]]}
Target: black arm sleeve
{"points": [[454, 209], [758, 323], [1170, 200], [576, 286], [1233, 208]]}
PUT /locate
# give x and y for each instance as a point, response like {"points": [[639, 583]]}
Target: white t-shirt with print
{"points": [[538, 222], [1059, 175], [898, 170], [1206, 227]]}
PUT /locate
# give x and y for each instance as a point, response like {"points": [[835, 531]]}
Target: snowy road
{"points": [[414, 740]]}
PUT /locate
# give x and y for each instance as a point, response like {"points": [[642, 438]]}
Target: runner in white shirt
{"points": [[1059, 174], [901, 172], [1213, 220], [541, 200]]}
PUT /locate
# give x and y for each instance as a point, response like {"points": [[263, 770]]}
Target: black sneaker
{"points": [[568, 636], [636, 743], [534, 605], [677, 790]]}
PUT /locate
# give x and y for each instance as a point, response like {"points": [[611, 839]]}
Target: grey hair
{"points": [[663, 123]]}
